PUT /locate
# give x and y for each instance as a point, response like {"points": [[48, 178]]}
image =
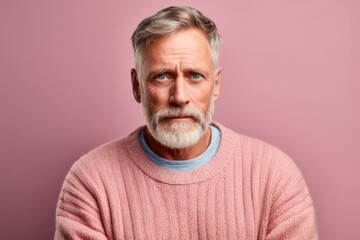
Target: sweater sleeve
{"points": [[292, 213], [77, 213]]}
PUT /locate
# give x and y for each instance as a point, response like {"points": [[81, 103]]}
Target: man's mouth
{"points": [[178, 118]]}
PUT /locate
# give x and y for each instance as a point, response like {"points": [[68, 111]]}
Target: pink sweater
{"points": [[250, 190]]}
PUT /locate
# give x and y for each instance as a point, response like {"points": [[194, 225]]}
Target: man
{"points": [[182, 176]]}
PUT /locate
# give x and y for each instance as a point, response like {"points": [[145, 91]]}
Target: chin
{"points": [[178, 135]]}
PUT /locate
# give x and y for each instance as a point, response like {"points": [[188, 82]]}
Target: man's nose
{"points": [[179, 93]]}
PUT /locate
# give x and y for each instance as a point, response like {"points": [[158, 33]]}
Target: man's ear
{"points": [[217, 83], [135, 85]]}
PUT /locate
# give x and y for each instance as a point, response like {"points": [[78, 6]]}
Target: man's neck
{"points": [[178, 154]]}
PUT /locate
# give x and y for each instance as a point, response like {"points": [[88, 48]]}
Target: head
{"points": [[176, 77], [169, 21]]}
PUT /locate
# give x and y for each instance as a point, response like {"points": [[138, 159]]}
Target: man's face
{"points": [[178, 87]]}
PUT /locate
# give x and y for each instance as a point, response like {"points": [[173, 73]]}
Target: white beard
{"points": [[178, 135]]}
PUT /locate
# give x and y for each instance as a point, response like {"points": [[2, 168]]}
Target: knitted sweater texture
{"points": [[249, 190]]}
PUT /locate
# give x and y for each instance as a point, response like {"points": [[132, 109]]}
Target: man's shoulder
{"points": [[259, 160], [255, 150], [98, 168]]}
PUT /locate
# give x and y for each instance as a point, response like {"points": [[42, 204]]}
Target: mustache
{"points": [[178, 112]]}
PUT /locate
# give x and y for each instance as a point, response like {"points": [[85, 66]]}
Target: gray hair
{"points": [[171, 20]]}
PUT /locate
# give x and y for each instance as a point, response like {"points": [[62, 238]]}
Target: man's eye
{"points": [[161, 77], [195, 76]]}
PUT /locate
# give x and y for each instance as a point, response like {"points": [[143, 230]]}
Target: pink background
{"points": [[291, 73]]}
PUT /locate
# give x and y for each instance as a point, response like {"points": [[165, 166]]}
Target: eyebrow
{"points": [[153, 73]]}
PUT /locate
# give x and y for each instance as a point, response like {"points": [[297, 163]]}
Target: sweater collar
{"points": [[139, 157]]}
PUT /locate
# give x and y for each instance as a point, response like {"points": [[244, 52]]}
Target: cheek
{"points": [[204, 95], [158, 99]]}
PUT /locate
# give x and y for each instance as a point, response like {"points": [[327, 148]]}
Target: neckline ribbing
{"points": [[185, 165], [139, 157]]}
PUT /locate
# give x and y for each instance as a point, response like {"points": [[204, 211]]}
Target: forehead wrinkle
{"points": [[176, 61], [184, 54], [178, 67], [179, 54]]}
